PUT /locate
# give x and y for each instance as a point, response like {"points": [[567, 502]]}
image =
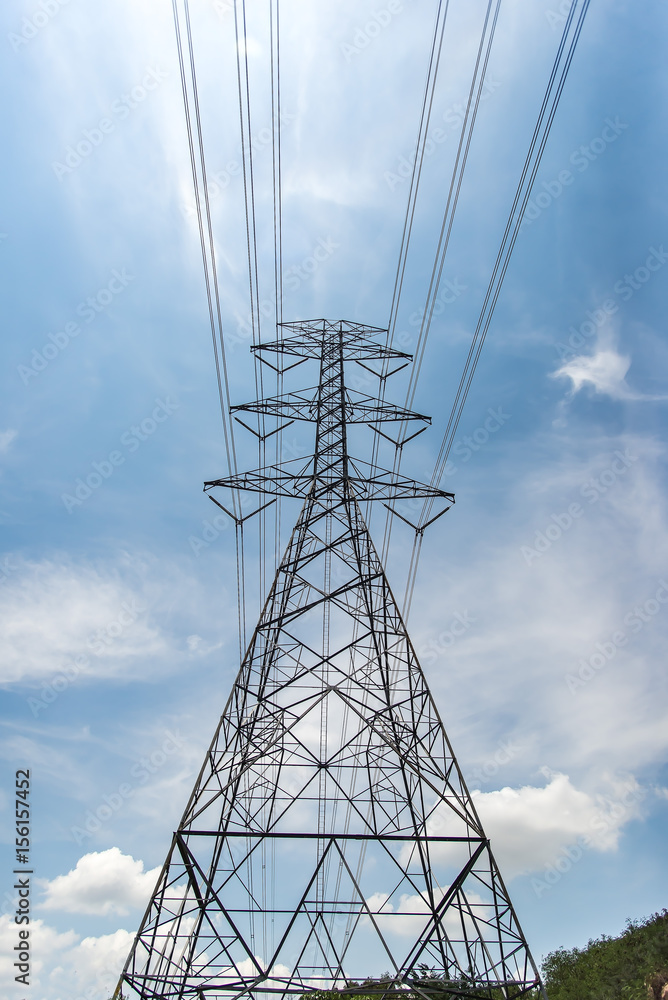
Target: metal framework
{"points": [[330, 842]]}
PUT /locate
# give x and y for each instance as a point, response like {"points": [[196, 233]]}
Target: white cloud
{"points": [[529, 826], [405, 917], [506, 677], [248, 967], [62, 965], [6, 438], [46, 944], [54, 611], [534, 622], [604, 371], [101, 884], [196, 644], [94, 964]]}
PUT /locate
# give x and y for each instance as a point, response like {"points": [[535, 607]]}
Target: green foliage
{"points": [[622, 968]]}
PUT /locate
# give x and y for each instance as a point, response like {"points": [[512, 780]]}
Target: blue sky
{"points": [[540, 608]]}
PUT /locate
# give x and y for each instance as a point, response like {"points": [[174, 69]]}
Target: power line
{"points": [[275, 44], [532, 160], [423, 131], [207, 245], [416, 173], [466, 133], [245, 129]]}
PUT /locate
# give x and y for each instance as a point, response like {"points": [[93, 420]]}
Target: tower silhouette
{"points": [[330, 841]]}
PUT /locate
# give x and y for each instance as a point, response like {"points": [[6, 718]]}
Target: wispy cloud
{"points": [[535, 623], [55, 611], [6, 438], [605, 372]]}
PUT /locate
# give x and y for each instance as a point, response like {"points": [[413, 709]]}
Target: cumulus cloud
{"points": [[94, 964], [47, 946], [404, 918], [52, 612], [408, 916], [62, 964], [102, 883], [246, 967], [529, 826], [605, 371]]}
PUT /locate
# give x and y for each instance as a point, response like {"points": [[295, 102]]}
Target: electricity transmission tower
{"points": [[330, 841]]}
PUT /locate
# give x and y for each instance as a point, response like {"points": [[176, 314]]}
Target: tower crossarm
{"points": [[357, 341], [359, 408], [331, 405], [311, 347], [371, 483]]}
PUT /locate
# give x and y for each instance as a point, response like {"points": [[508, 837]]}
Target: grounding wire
{"points": [[410, 395], [215, 318], [509, 223], [210, 280], [453, 194], [509, 237]]}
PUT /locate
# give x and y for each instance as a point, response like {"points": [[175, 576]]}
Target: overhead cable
{"points": [[555, 86], [200, 185]]}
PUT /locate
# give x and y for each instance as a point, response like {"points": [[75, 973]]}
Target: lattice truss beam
{"points": [[330, 837]]}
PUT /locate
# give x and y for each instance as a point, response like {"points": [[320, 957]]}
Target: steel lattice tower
{"points": [[330, 838]]}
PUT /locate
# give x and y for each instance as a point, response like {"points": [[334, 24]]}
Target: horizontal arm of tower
{"points": [[370, 483], [413, 837], [359, 409], [311, 347]]}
